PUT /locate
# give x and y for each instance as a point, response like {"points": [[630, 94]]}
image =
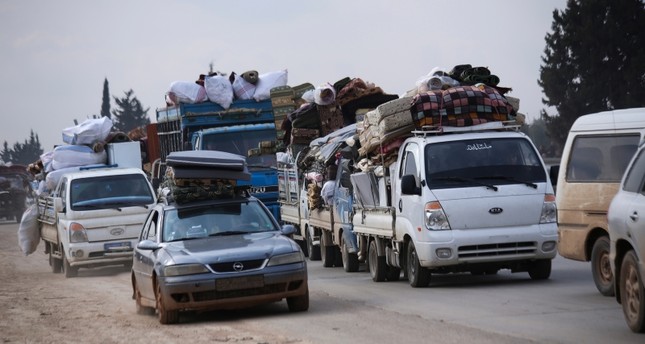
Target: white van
{"points": [[595, 155]]}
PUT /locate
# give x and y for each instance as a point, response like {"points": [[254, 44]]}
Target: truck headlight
{"points": [[77, 232], [184, 269], [549, 210], [435, 217], [289, 258]]}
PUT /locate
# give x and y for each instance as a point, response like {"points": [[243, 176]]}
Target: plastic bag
{"points": [[219, 90], [28, 232], [76, 155], [88, 132], [268, 81], [186, 92], [242, 88], [325, 94]]}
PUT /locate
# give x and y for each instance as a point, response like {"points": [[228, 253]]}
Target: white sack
{"points": [[76, 155], [219, 90], [88, 132], [28, 232], [268, 81], [186, 92], [242, 88]]}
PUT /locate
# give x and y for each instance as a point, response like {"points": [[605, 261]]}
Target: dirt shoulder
{"points": [[38, 306]]}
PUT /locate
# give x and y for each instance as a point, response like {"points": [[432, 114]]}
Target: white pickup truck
{"points": [[93, 217]]}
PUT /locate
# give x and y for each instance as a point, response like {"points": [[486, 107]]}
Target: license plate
{"points": [[237, 283], [117, 246]]}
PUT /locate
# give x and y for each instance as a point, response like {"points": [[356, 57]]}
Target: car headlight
{"points": [[290, 258], [184, 269]]}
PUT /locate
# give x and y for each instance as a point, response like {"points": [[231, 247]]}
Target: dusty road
{"points": [[37, 306]]}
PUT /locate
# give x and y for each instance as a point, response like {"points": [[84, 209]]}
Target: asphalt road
{"points": [[344, 308]]}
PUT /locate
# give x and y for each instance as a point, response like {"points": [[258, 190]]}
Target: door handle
{"points": [[400, 205]]}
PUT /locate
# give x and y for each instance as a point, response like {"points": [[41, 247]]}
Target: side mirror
{"points": [[288, 230], [147, 245], [409, 185], [58, 205]]}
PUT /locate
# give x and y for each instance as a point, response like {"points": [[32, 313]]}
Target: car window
{"points": [[110, 191], [634, 178], [202, 221], [600, 158]]}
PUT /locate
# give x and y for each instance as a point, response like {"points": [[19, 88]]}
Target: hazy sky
{"points": [[55, 55]]}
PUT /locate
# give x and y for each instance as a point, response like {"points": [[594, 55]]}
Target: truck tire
{"points": [[540, 269], [67, 269], [327, 253], [350, 260], [601, 268], [393, 273], [632, 293], [376, 263], [165, 316], [314, 251], [418, 276], [55, 263]]}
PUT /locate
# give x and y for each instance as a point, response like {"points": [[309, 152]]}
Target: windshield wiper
{"points": [[468, 180], [529, 184]]}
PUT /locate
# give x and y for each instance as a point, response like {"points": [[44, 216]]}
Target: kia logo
{"points": [[237, 266], [495, 210], [117, 231]]}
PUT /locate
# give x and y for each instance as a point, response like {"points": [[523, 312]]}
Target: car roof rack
{"points": [[496, 125]]}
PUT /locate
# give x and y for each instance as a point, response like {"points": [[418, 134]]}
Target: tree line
{"points": [[128, 115], [594, 60]]}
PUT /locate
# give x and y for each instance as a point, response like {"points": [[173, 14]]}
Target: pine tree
{"points": [[593, 61], [105, 105], [129, 113], [22, 153]]}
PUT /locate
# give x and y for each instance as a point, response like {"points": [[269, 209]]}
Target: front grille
{"points": [[498, 249], [246, 266], [229, 294]]}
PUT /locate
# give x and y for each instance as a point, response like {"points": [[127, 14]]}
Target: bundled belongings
{"points": [[205, 174], [460, 106]]}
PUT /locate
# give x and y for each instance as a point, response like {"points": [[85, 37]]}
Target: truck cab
{"points": [[246, 140], [93, 217]]}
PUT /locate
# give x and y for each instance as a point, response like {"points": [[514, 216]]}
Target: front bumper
{"points": [[203, 292]]}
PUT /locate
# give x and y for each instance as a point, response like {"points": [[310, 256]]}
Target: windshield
{"points": [[110, 192], [241, 143], [482, 162], [220, 220]]}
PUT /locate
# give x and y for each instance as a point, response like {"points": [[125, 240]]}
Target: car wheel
{"points": [[314, 251], [165, 316], [418, 276], [299, 303], [67, 269], [540, 269], [376, 263], [141, 309], [350, 260], [632, 293], [601, 268], [392, 273]]}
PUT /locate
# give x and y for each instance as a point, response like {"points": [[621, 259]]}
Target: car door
{"points": [[632, 199], [144, 260]]}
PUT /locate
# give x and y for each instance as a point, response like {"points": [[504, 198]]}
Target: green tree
{"points": [[593, 61], [105, 105], [129, 113], [22, 153]]}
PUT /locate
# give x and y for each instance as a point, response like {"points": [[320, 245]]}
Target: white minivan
{"points": [[598, 148]]}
